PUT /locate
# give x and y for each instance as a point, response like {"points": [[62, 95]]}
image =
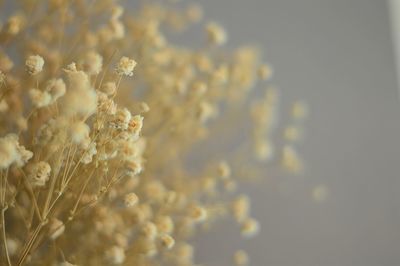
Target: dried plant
{"points": [[99, 114]]}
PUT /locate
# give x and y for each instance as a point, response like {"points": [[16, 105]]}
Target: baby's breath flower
{"points": [[126, 66], [206, 111], [90, 149], [241, 207], [39, 98], [224, 170], [135, 125], [71, 67], [11, 152], [167, 241], [115, 255], [164, 224], [198, 213], [34, 64], [215, 33], [133, 167], [92, 63], [144, 107], [79, 132], [8, 151], [264, 150], [109, 88], [131, 199], [23, 156], [15, 24], [121, 119], [299, 110], [146, 247], [155, 190], [80, 98], [291, 160], [105, 105], [249, 227], [89, 153], [56, 88], [265, 72], [39, 173], [149, 230]]}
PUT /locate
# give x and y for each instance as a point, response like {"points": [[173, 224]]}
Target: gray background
{"points": [[338, 56]]}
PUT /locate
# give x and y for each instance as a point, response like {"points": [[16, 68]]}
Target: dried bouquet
{"points": [[102, 118]]}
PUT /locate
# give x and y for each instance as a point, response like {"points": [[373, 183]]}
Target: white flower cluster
{"points": [[11, 152]]}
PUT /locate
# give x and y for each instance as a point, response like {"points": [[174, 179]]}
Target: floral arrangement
{"points": [[99, 113]]}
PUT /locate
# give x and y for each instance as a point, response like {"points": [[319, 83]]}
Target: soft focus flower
{"points": [[126, 66], [34, 64]]}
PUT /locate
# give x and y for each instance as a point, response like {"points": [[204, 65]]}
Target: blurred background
{"points": [[339, 56]]}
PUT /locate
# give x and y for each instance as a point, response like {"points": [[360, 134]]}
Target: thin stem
{"points": [[30, 191], [29, 244], [81, 193], [3, 223]]}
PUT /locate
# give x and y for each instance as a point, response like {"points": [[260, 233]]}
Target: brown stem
{"points": [[3, 223]]}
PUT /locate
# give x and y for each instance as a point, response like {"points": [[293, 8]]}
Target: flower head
{"points": [[125, 66], [34, 64]]}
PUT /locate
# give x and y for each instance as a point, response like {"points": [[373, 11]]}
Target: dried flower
{"points": [[79, 132], [241, 258], [109, 88], [34, 64], [198, 213], [224, 171], [241, 208], [149, 230], [291, 160], [265, 72], [115, 255], [249, 227], [8, 151], [39, 173], [80, 98], [299, 110], [121, 119], [167, 241], [216, 34], [131, 199], [135, 125], [11, 152], [97, 148], [39, 98], [164, 224], [92, 63], [126, 66], [56, 88]]}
